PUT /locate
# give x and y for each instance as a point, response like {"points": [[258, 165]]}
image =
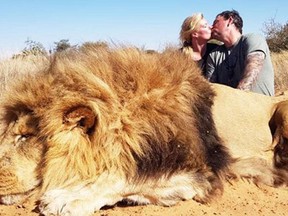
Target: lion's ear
{"points": [[80, 116]]}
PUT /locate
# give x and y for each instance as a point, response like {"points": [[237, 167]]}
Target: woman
{"points": [[194, 35]]}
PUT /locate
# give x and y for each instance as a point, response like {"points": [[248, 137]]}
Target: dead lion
{"points": [[98, 127]]}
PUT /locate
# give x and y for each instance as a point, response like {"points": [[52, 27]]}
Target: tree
{"points": [[31, 48], [62, 45]]}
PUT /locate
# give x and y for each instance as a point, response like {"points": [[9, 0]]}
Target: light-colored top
{"points": [[226, 66]]}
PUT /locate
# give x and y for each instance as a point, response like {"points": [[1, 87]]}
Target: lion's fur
{"points": [[243, 122], [19, 157], [279, 124], [130, 99], [122, 124], [253, 110]]}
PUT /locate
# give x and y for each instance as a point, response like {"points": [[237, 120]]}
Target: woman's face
{"points": [[204, 30]]}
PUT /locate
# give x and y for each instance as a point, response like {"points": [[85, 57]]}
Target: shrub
{"points": [[276, 35]]}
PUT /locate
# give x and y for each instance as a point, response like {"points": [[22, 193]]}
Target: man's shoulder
{"points": [[254, 42], [252, 37]]}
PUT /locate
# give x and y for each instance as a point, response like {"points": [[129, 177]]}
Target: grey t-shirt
{"points": [[226, 66]]}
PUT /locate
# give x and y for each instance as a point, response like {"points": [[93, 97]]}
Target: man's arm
{"points": [[254, 64], [210, 73]]}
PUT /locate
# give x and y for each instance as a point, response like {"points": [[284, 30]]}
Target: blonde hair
{"points": [[189, 25]]}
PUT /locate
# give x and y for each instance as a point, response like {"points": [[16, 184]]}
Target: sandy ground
{"points": [[241, 198]]}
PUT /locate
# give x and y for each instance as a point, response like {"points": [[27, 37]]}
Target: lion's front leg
{"points": [[81, 199]]}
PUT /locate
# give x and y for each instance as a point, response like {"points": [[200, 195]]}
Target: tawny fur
{"points": [[279, 123], [21, 151], [244, 122]]}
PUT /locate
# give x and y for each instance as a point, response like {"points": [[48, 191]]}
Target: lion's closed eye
{"points": [[21, 138], [24, 127]]}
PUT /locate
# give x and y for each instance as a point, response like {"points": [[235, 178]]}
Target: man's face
{"points": [[219, 28]]}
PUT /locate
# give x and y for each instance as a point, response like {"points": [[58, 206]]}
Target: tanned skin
{"points": [[254, 64]]}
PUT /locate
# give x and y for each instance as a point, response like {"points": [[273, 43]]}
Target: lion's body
{"points": [[243, 118], [250, 126], [127, 125], [243, 121]]}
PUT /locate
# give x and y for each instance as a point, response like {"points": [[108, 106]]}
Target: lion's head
{"points": [[20, 156], [20, 149]]}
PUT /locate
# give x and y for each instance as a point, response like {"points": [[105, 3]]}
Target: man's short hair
{"points": [[237, 20]]}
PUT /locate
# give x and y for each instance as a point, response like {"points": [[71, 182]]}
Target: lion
{"points": [[100, 126]]}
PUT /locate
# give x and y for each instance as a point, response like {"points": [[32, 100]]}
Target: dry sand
{"points": [[241, 198]]}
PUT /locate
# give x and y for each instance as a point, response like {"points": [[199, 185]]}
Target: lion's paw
{"points": [[64, 203]]}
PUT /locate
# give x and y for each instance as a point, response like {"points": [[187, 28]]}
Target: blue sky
{"points": [[150, 24]]}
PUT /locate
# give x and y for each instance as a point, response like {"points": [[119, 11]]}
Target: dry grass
{"points": [[280, 63], [12, 68]]}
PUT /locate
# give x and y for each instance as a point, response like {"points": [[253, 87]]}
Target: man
{"points": [[243, 61]]}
